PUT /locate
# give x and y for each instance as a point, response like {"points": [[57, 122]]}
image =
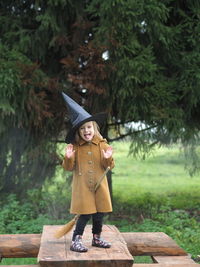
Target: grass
{"points": [[19, 261], [161, 176]]}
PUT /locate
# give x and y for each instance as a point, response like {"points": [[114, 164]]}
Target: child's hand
{"points": [[69, 151], [108, 153]]}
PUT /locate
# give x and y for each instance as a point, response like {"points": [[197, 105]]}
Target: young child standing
{"points": [[88, 155]]}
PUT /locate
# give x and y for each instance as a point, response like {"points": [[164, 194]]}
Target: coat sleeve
{"points": [[106, 162]]}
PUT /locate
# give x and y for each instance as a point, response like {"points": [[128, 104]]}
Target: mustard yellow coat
{"points": [[88, 165]]}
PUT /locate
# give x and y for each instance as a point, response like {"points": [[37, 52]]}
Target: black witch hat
{"points": [[79, 116]]}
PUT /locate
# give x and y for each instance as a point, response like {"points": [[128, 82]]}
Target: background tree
{"points": [[27, 124], [149, 74]]}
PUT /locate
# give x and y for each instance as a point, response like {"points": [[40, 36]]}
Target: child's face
{"points": [[86, 131]]}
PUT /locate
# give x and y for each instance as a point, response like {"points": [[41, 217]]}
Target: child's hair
{"points": [[96, 132]]}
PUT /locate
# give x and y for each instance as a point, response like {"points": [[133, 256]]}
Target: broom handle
{"points": [[101, 178]]}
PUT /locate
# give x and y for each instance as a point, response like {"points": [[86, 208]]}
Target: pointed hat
{"points": [[79, 116]]}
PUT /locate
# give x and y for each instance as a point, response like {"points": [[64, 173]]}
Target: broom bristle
{"points": [[66, 228]]}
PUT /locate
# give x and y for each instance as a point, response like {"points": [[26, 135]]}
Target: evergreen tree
{"points": [[27, 123], [154, 51]]}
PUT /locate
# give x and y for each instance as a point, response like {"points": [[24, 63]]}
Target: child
{"points": [[88, 155]]}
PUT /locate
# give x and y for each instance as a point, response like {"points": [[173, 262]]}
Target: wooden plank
{"points": [[173, 259], [19, 245], [56, 252], [51, 248], [134, 265], [165, 265], [152, 243], [27, 245]]}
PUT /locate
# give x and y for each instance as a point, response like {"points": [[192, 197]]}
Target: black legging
{"points": [[97, 222]]}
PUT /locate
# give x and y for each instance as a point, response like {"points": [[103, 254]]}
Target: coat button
{"points": [[89, 152]]}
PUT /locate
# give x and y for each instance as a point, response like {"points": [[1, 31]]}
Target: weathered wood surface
{"points": [[19, 245], [134, 265], [152, 243], [56, 252], [169, 261], [156, 243], [165, 265], [173, 259]]}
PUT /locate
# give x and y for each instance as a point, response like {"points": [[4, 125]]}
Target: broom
{"points": [[68, 226]]}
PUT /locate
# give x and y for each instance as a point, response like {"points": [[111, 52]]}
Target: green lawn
{"points": [[162, 176]]}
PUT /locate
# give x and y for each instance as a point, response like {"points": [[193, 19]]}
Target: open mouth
{"points": [[87, 136]]}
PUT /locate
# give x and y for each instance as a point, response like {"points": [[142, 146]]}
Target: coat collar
{"points": [[95, 141]]}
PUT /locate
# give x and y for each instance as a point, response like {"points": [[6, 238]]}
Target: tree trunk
{"points": [[109, 174], [109, 177]]}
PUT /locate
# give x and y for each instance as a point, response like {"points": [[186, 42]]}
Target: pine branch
{"points": [[119, 123], [122, 136]]}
